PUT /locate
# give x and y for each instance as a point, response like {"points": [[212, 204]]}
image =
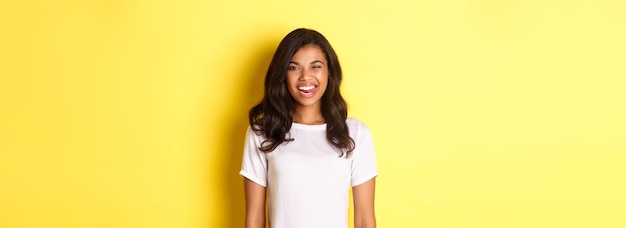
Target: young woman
{"points": [[302, 149]]}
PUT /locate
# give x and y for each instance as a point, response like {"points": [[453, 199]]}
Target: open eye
{"points": [[292, 68]]}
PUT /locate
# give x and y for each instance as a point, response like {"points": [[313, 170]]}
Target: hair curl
{"points": [[273, 116]]}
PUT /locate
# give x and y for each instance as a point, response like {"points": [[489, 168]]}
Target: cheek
{"points": [[291, 78], [324, 77]]}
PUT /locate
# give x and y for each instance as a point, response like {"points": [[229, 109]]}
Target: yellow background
{"points": [[485, 113]]}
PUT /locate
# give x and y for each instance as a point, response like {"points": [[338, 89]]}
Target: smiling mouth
{"points": [[308, 90]]}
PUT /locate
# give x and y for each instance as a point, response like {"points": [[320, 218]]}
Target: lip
{"points": [[307, 90]]}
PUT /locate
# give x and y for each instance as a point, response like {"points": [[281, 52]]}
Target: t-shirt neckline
{"points": [[308, 126]]}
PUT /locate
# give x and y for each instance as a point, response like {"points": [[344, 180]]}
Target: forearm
{"points": [[255, 221], [364, 222]]}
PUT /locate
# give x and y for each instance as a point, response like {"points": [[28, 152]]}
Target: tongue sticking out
{"points": [[308, 92]]}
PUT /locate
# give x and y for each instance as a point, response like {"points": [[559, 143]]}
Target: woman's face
{"points": [[307, 76]]}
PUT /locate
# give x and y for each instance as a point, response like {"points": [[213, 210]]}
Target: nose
{"points": [[305, 73]]}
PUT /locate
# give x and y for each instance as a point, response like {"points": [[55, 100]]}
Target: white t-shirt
{"points": [[307, 182]]}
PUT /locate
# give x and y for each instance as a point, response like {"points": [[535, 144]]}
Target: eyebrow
{"points": [[316, 61]]}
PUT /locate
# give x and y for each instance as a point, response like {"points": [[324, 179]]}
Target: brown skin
{"points": [[255, 204], [363, 197], [309, 67]]}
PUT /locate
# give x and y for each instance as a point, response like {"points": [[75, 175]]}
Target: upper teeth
{"points": [[306, 87]]}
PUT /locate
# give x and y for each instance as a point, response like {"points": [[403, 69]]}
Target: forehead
{"points": [[309, 52]]}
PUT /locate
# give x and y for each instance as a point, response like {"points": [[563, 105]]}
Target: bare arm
{"points": [[363, 196], [255, 204]]}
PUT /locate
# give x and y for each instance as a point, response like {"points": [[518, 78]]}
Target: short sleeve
{"points": [[254, 162], [363, 157]]}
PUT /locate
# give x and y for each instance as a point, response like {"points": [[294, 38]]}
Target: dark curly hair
{"points": [[273, 116]]}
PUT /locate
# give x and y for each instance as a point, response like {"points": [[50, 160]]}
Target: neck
{"points": [[310, 115]]}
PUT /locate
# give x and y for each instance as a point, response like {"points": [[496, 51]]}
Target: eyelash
{"points": [[296, 68]]}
